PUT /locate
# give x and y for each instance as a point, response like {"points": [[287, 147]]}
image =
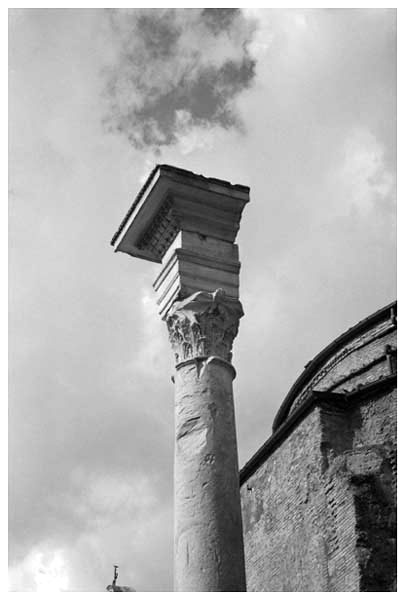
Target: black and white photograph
{"points": [[202, 285]]}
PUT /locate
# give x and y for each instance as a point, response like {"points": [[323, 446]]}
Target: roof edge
{"points": [[313, 365], [134, 204]]}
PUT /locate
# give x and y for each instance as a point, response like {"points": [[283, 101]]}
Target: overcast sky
{"points": [[300, 105]]}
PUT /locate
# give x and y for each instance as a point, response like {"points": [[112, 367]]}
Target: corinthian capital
{"points": [[204, 324]]}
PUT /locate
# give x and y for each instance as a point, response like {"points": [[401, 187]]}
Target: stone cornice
{"points": [[174, 171], [203, 325], [174, 199]]}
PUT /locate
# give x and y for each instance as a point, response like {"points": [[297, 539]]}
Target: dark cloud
{"points": [[174, 69], [218, 19]]}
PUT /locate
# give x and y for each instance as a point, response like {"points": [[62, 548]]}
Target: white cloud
{"points": [[154, 346], [364, 180], [40, 571], [300, 20], [111, 496], [262, 40], [191, 137], [148, 165]]}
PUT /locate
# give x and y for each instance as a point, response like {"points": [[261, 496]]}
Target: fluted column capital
{"points": [[204, 325]]}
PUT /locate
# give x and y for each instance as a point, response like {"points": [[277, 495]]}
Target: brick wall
{"points": [[319, 499], [282, 506]]}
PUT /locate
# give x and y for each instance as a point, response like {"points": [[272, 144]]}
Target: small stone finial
{"points": [[118, 588]]}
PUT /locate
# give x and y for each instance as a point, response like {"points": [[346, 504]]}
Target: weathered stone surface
{"points": [[208, 526], [194, 263], [205, 324]]}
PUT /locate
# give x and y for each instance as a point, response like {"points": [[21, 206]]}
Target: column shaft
{"points": [[208, 526]]}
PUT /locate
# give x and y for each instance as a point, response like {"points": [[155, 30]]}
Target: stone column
{"points": [[189, 223], [208, 525]]}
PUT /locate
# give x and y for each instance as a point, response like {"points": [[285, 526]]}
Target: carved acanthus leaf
{"points": [[204, 324]]}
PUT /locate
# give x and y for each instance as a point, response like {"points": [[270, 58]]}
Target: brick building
{"points": [[319, 497]]}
